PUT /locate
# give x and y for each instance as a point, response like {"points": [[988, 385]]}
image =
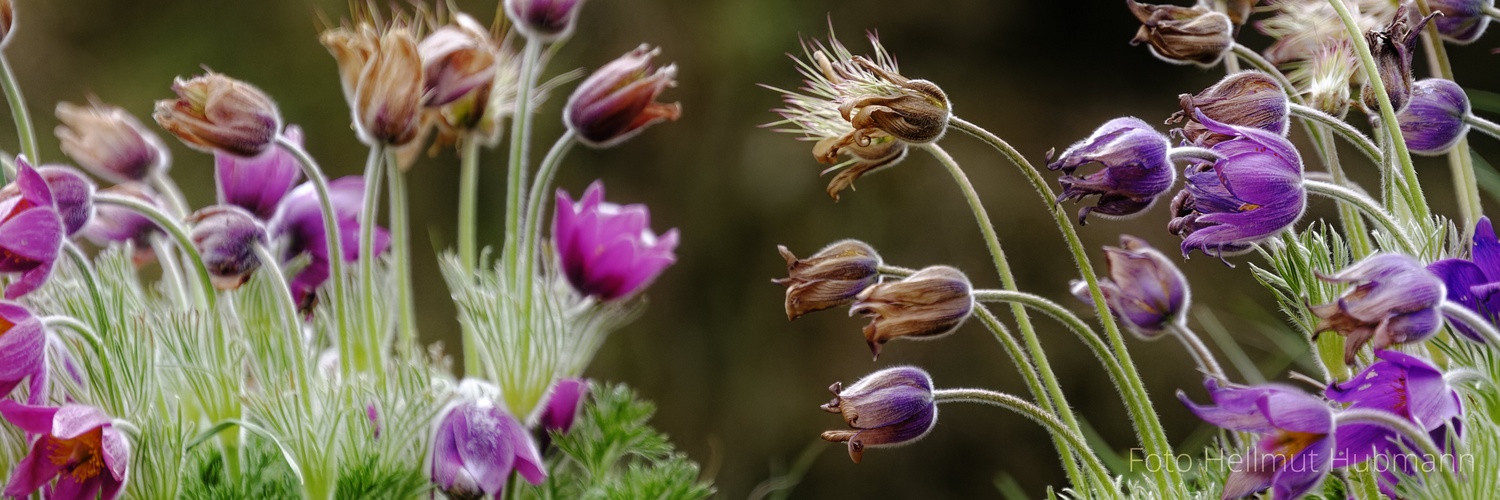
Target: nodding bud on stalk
{"points": [[619, 99], [830, 278], [1392, 48], [226, 236], [930, 303], [1183, 35], [1145, 290], [1463, 21], [544, 21], [216, 112], [918, 115], [1246, 99], [457, 59], [110, 142], [1136, 169], [1433, 120], [891, 407], [383, 81], [1395, 301]]}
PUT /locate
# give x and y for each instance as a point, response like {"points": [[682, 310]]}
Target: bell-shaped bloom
{"points": [[1395, 301], [1475, 281], [478, 445], [214, 112], [891, 407], [113, 223], [72, 192], [563, 403], [542, 21], [1393, 46], [110, 142], [258, 183], [457, 59], [23, 352], [608, 251], [1246, 99], [1136, 170], [1463, 21], [383, 82], [930, 303], [226, 236], [31, 231], [1253, 193], [1433, 120], [1407, 386], [618, 101], [1296, 446], [830, 278], [1145, 290], [299, 220], [1183, 35], [75, 444]]}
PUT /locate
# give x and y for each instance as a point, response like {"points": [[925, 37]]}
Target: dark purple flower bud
{"points": [[564, 402], [1136, 170], [1433, 120], [226, 236], [299, 220], [1254, 192], [830, 278], [1145, 289], [23, 352], [78, 445], [258, 183], [1463, 21], [1295, 450], [1245, 99], [1183, 35], [110, 142], [1392, 47], [608, 251], [214, 112], [1407, 386], [1395, 301], [112, 223], [72, 191], [619, 99], [31, 231], [930, 303], [1474, 282], [543, 21], [891, 407], [477, 446], [457, 59]]}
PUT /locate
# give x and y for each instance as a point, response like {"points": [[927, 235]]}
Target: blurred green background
{"points": [[737, 385]]}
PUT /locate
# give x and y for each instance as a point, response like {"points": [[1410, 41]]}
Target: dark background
{"points": [[737, 385]]}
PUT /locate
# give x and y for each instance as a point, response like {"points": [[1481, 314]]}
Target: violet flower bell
{"points": [[564, 402], [1136, 169], [299, 220], [112, 223], [110, 142], [544, 21], [23, 352], [891, 407], [1246, 99], [226, 237], [1395, 301], [77, 445], [72, 192], [1252, 193], [31, 231], [1296, 447], [214, 112], [1145, 290], [478, 445], [1434, 119], [1475, 281], [1407, 386], [830, 278], [606, 250], [258, 183], [618, 101], [929, 304], [1463, 21]]}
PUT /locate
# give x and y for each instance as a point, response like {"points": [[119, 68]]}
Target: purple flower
{"points": [[1246, 99], [299, 219], [891, 407], [226, 237], [543, 20], [1433, 120], [478, 445], [457, 59], [1251, 194], [23, 351], [1145, 289], [1136, 170], [1407, 386], [258, 183], [77, 445], [31, 232], [563, 404], [619, 99], [1473, 282], [110, 142], [112, 223], [72, 192], [1295, 450], [931, 303], [215, 112], [608, 251], [1395, 301], [1463, 21]]}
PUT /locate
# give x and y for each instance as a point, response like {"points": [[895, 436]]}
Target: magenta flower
{"points": [[1395, 301], [607, 250], [563, 404], [226, 237], [77, 445], [258, 183], [1407, 386], [31, 232], [1296, 447], [72, 193], [1473, 282], [1135, 173], [477, 447], [1250, 195], [299, 219], [1433, 121], [619, 99], [543, 20], [113, 223], [23, 351], [891, 407], [1144, 289]]}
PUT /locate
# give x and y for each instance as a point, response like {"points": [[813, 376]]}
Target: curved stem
{"points": [[1195, 346], [1488, 127], [82, 331], [1354, 225], [1249, 55], [1031, 411], [335, 250], [369, 214], [468, 195], [90, 280], [401, 244], [171, 270], [1405, 428], [24, 130], [1366, 205], [206, 296], [1490, 10], [897, 271], [175, 200], [1064, 316], [1343, 128], [1460, 160], [1185, 153], [1458, 375], [271, 266], [1456, 311], [520, 142], [531, 239]]}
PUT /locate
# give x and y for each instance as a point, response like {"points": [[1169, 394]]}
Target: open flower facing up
{"points": [[830, 278], [564, 401], [1145, 289], [930, 303], [891, 407], [383, 80], [1136, 169], [299, 220], [1395, 301], [544, 21], [258, 183], [1183, 35], [1296, 447], [75, 444], [110, 142], [1392, 48], [72, 192], [1463, 21], [214, 112], [1407, 386], [226, 236], [478, 445], [31, 232], [1254, 192], [1433, 120], [23, 352], [618, 101], [1245, 99], [608, 251], [113, 223], [1475, 281]]}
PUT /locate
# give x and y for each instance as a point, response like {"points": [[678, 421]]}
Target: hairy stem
{"points": [[293, 334], [1460, 162], [1342, 128], [335, 252], [1028, 410], [531, 238], [206, 296], [1195, 346], [520, 142], [406, 311], [1366, 205], [24, 130], [1473, 320], [369, 215]]}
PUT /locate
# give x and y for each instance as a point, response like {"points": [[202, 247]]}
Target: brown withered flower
{"points": [[930, 303], [1183, 35], [830, 278], [7, 21], [383, 80], [110, 142], [458, 59], [1392, 47], [216, 112], [1246, 99]]}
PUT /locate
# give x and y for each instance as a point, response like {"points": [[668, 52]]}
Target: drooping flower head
{"points": [[72, 192], [830, 278], [1395, 301], [23, 352], [214, 112], [608, 251], [618, 101], [1433, 120], [1136, 170], [77, 445], [299, 220], [110, 142], [930, 303], [226, 237], [543, 21], [1475, 281], [1463, 21], [1183, 35], [113, 223], [564, 401], [31, 231], [1145, 289], [457, 59], [383, 80], [1254, 192], [891, 407], [258, 183], [1407, 386], [1392, 47], [1245, 99], [477, 445], [1296, 446]]}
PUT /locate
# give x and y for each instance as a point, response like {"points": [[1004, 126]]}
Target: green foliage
{"points": [[372, 479], [266, 476]]}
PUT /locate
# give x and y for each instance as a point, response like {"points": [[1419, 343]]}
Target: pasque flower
{"points": [[564, 401], [930, 303], [1395, 301], [1245, 99], [1145, 289], [478, 445], [72, 192], [891, 407], [1136, 170], [299, 220], [110, 142], [113, 223], [457, 59], [1183, 35], [1296, 446], [226, 236], [23, 356], [544, 20], [383, 80], [1252, 193], [214, 112], [1474, 282], [1463, 21], [78, 445], [618, 101], [1407, 386], [608, 251], [830, 278], [31, 231], [1433, 120], [1392, 48], [258, 183]]}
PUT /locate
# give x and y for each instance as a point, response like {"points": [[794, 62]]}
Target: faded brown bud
{"points": [[383, 81], [1246, 99], [917, 116], [930, 303], [1239, 11], [216, 112], [110, 142], [458, 60], [830, 278], [1392, 47], [880, 151], [1183, 35]]}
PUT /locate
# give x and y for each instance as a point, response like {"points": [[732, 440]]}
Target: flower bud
{"points": [[1183, 35], [917, 115], [110, 143], [113, 223], [1433, 121], [1136, 170], [930, 303], [830, 278], [1246, 99], [1463, 21], [31, 232], [1145, 290], [216, 112], [226, 236], [544, 21], [891, 407], [457, 59], [608, 251], [1253, 193], [1392, 48], [383, 81], [564, 402], [258, 183], [1395, 301], [619, 100]]}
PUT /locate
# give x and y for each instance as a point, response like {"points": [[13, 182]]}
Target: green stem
{"points": [[1195, 346], [171, 270], [169, 190], [468, 194], [1354, 226], [84, 332], [1392, 421], [1249, 55], [531, 238], [24, 129], [401, 244], [1028, 410], [368, 216], [271, 266], [90, 280], [1343, 128], [1488, 127], [520, 142], [1460, 162], [206, 297], [1068, 319], [335, 250], [1366, 205], [1455, 311]]}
